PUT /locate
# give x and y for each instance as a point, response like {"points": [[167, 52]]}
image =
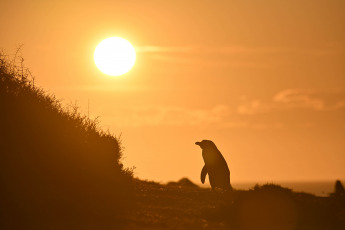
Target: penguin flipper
{"points": [[203, 174]]}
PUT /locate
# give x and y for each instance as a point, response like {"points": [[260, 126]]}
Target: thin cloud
{"points": [[292, 99], [334, 48], [233, 55], [311, 99], [200, 55], [208, 49], [297, 98], [174, 116], [164, 49], [253, 107], [173, 59], [217, 117]]}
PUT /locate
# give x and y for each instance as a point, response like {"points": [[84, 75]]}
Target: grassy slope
{"points": [[57, 169]]}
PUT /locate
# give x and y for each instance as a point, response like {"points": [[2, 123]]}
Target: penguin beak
{"points": [[198, 143]]}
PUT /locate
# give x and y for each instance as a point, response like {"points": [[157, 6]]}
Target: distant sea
{"points": [[319, 188]]}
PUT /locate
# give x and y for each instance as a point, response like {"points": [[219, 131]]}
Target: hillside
{"points": [[57, 169]]}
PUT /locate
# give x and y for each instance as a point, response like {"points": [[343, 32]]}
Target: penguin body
{"points": [[215, 166]]}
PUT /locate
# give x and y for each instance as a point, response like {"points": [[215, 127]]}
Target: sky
{"points": [[264, 80]]}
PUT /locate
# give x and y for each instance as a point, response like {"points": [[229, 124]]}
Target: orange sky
{"points": [[265, 80]]}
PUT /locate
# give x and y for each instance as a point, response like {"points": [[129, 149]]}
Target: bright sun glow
{"points": [[114, 56]]}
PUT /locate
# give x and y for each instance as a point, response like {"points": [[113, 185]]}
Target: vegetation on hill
{"points": [[57, 168]]}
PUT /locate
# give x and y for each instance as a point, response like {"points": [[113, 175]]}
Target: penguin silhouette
{"points": [[215, 166]]}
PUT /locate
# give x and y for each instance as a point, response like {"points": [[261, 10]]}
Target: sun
{"points": [[114, 56]]}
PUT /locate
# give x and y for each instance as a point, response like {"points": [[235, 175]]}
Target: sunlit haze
{"points": [[264, 80]]}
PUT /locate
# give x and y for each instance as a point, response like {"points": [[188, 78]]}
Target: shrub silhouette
{"points": [[57, 169], [182, 183]]}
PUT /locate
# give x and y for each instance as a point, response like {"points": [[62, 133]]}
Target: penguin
{"points": [[215, 166]]}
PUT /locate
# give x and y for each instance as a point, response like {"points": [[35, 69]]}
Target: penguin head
{"points": [[206, 144]]}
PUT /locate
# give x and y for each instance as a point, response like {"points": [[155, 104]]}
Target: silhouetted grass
{"points": [[57, 168]]}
